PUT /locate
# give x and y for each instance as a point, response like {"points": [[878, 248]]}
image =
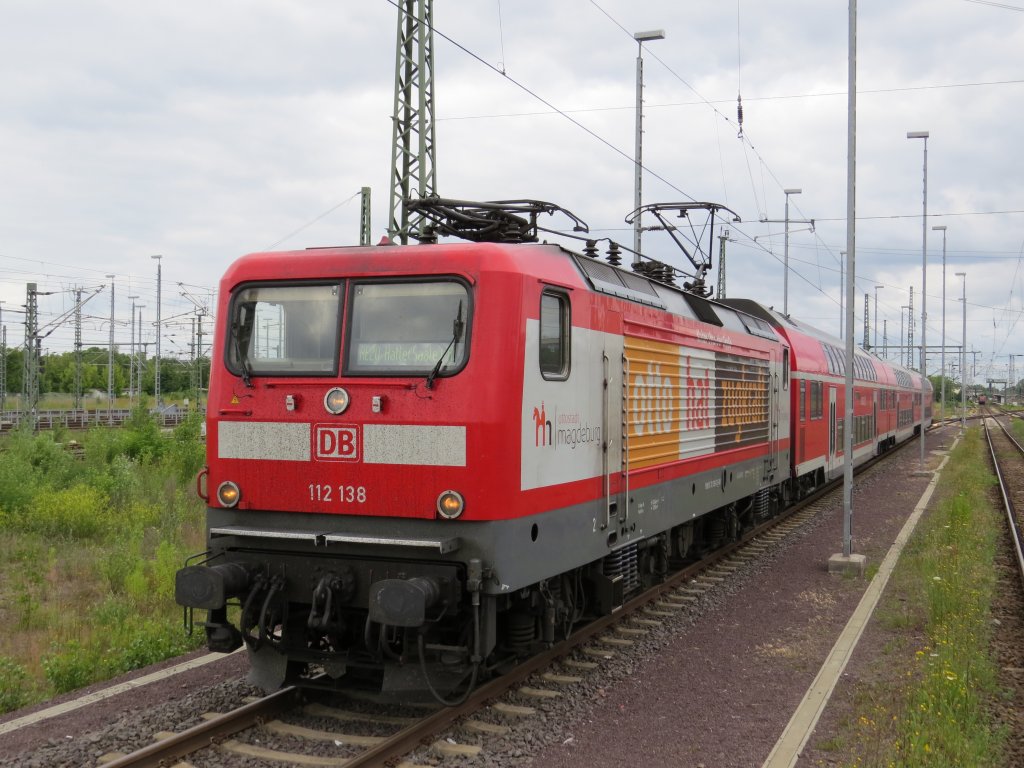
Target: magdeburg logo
{"points": [[567, 430]]}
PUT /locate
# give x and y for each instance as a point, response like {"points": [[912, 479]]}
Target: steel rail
{"points": [[1012, 518], [209, 732]]}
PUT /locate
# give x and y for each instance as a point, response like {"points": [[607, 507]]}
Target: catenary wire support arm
{"points": [[689, 240]]}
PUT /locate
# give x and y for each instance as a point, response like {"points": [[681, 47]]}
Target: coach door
{"points": [[832, 437]]}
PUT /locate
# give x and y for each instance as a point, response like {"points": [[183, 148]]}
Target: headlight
{"points": [[228, 494], [336, 400], [450, 504]]}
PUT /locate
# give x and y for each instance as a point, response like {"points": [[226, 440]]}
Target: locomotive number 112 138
{"points": [[340, 494]]}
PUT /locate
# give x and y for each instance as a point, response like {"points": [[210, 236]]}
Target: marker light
{"points": [[336, 400], [450, 504], [228, 494]]}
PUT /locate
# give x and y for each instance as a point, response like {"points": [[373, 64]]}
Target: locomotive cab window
{"points": [[408, 328], [554, 336], [284, 330]]}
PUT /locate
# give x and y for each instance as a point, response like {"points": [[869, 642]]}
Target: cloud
{"points": [[204, 131]]}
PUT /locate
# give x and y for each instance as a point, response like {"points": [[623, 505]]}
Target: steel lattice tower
{"points": [[720, 293], [78, 349], [910, 332], [867, 325], [30, 386], [413, 156]]}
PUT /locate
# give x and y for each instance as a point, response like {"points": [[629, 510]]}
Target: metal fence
{"points": [[83, 419]]}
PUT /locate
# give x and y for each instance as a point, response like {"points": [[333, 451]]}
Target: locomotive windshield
{"points": [[405, 328], [284, 330]]}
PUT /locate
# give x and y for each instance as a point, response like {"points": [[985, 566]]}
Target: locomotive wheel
{"points": [[732, 523], [683, 537]]}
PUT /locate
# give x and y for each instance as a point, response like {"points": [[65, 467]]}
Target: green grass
{"points": [[88, 552], [933, 711]]}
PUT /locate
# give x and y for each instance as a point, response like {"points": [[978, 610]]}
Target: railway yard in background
{"points": [[709, 671]]}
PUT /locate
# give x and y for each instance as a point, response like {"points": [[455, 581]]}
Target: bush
{"points": [[15, 691], [147, 643], [188, 449], [71, 667], [18, 486], [79, 512]]}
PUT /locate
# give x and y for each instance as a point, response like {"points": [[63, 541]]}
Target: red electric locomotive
{"points": [[425, 461]]}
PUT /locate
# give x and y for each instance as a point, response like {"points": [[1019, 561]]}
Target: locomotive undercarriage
{"points": [[424, 627]]}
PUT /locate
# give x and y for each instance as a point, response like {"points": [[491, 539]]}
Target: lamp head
{"points": [[653, 34], [917, 134]]}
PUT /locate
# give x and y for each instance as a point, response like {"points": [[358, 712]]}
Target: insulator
{"points": [[739, 113], [614, 254], [590, 249]]}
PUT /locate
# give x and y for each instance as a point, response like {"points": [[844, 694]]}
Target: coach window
{"points": [[554, 336], [803, 400], [785, 368]]}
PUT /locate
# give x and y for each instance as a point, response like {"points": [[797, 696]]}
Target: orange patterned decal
{"points": [[683, 401]]}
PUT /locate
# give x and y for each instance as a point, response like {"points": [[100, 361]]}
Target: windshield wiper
{"points": [[457, 329], [241, 333], [243, 360]]}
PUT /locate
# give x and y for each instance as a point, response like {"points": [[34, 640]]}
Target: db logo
{"points": [[334, 443]]}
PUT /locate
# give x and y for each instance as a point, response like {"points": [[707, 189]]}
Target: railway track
{"points": [[294, 727], [1008, 460]]}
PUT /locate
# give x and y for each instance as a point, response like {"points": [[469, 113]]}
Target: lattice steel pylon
{"points": [[78, 349], [722, 238], [413, 156], [867, 325], [910, 331], [30, 381]]}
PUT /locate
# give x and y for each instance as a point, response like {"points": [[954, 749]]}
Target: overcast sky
{"points": [[203, 131]]}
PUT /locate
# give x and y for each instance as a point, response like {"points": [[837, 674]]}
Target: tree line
{"points": [[57, 372]]}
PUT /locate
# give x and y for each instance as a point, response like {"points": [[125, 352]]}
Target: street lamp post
{"points": [[963, 358], [141, 359], [156, 381], [131, 355], [641, 38], [110, 359], [924, 284], [785, 278], [942, 228]]}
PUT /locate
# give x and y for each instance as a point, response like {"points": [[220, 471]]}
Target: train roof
{"points": [[548, 261], [816, 351]]}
